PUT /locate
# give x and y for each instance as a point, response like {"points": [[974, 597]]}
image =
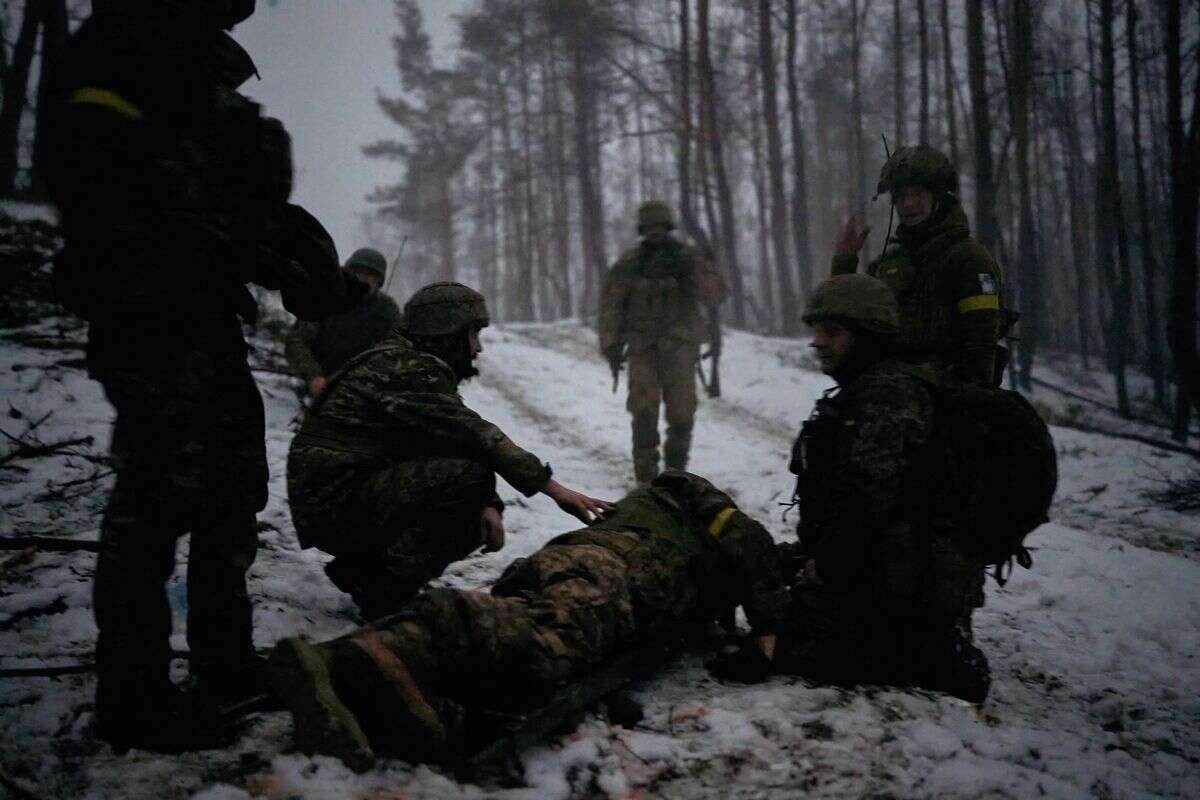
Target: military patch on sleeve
{"points": [[987, 283]]}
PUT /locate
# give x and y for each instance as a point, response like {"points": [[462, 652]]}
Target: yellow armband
{"points": [[717, 528], [93, 95], [980, 302]]}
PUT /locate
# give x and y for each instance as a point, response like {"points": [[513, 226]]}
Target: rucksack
{"points": [[992, 470]]}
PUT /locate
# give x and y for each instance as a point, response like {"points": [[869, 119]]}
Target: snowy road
{"points": [[1093, 652]]}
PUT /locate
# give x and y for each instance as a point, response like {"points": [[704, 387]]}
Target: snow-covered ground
{"points": [[1093, 652]]}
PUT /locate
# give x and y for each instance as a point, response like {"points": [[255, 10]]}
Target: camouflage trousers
{"points": [[402, 525], [836, 637], [400, 687], [662, 374], [189, 453]]}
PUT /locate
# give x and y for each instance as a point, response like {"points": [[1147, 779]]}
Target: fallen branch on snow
{"points": [[50, 544], [1133, 437]]}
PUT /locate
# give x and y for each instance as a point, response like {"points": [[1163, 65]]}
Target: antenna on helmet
{"points": [[891, 196]]}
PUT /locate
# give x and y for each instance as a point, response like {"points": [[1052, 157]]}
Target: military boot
{"points": [[322, 724], [143, 712], [392, 708]]}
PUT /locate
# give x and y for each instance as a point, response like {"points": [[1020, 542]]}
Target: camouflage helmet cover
{"points": [[919, 165], [654, 212], [369, 260], [444, 308], [861, 299]]}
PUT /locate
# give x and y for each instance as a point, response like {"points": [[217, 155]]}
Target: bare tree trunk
{"points": [[523, 305], [1110, 197], [985, 183], [54, 38], [687, 204], [1020, 87], [923, 57], [800, 234], [15, 84], [1074, 176], [1185, 200], [591, 205], [725, 200], [766, 280], [949, 81], [1149, 260], [788, 309], [561, 208], [857, 146], [899, 83]]}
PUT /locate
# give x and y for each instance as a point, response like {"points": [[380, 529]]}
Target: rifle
{"points": [[395, 265], [614, 365], [712, 383]]}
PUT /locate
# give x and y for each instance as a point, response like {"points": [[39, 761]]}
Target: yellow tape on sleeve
{"points": [[92, 95], [717, 527], [980, 302]]}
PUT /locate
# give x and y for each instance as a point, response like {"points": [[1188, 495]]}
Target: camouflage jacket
{"points": [[863, 498], [949, 291], [390, 404], [688, 553], [322, 348], [652, 294]]}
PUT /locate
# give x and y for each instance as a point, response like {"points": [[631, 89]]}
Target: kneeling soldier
{"points": [[885, 596], [393, 475]]}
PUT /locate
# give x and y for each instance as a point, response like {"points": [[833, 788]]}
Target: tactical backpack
{"points": [[990, 472]]}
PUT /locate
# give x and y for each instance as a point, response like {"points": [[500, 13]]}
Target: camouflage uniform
{"points": [[671, 555], [173, 192], [651, 304], [947, 284], [897, 592], [391, 471], [319, 349]]}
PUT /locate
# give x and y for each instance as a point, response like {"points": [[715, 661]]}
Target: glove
{"points": [[615, 355], [746, 664]]}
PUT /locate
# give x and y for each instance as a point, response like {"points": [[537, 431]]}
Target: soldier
{"points": [[316, 350], [668, 557], [650, 314], [947, 284], [393, 475], [173, 193], [885, 595]]}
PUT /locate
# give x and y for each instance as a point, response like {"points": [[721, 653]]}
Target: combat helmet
{"points": [[441, 309], [366, 259], [654, 212], [860, 299], [918, 165]]}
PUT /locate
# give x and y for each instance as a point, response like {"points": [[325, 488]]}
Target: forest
{"points": [[521, 153]]}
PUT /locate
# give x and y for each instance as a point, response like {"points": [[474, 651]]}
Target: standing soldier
{"points": [[947, 284], [393, 475], [173, 193], [650, 313], [316, 350]]}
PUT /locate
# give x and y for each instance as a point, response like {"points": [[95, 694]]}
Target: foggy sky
{"points": [[321, 62]]}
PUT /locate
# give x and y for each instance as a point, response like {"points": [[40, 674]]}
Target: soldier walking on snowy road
{"points": [[650, 314]]}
